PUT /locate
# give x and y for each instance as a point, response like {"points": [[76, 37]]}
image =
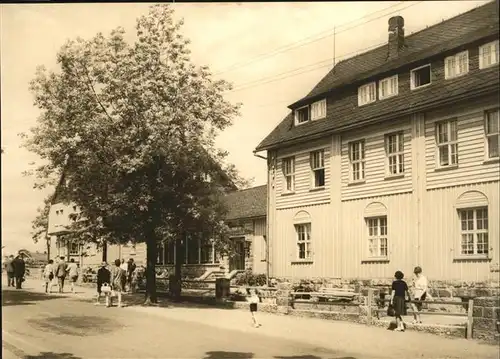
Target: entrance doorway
{"points": [[237, 261]]}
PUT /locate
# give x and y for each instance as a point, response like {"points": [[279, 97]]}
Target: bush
{"points": [[250, 279]]}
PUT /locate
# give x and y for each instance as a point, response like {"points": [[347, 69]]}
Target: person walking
{"points": [[19, 270], [421, 287], [72, 273], [130, 273], [9, 268], [253, 299], [398, 301], [103, 277], [118, 278], [61, 272], [48, 276]]}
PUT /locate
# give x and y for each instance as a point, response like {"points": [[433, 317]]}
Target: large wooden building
{"points": [[392, 160]]}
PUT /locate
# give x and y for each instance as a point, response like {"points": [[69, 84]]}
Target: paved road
{"points": [[36, 325]]}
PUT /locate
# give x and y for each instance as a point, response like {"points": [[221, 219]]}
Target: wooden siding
{"points": [[376, 180], [304, 194], [285, 262], [353, 253], [471, 146], [442, 235], [259, 246]]}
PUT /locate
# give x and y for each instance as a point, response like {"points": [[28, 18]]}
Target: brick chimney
{"points": [[396, 36]]}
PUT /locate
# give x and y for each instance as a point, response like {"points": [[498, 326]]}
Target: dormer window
{"points": [[388, 87], [302, 115], [488, 54], [420, 77], [315, 111], [456, 65], [367, 94]]}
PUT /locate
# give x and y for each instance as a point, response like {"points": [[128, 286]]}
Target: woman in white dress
{"points": [[419, 293]]}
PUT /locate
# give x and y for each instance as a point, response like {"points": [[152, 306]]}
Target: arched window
{"points": [[302, 223], [472, 209], [376, 222]]}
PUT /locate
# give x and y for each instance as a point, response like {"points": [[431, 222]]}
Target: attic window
{"points": [[367, 94], [456, 65], [488, 54], [420, 77], [388, 87], [302, 115], [318, 110]]}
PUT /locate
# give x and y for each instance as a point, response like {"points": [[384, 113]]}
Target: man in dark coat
{"points": [[19, 270], [9, 268]]}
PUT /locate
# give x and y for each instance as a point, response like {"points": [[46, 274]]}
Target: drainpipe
{"points": [[267, 222]]}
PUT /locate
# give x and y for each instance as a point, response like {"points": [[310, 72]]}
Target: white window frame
{"points": [[474, 232], [296, 115], [357, 165], [492, 135], [364, 93], [452, 65], [392, 83], [377, 239], [303, 235], [493, 50], [288, 163], [318, 110], [398, 156], [449, 144], [317, 168], [412, 77], [71, 252]]}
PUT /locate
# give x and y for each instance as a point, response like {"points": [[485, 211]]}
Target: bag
{"points": [[390, 311], [106, 288]]}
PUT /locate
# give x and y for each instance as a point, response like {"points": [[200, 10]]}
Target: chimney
{"points": [[396, 36]]}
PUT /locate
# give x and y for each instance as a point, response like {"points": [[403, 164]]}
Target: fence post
{"points": [[369, 306], [470, 319]]}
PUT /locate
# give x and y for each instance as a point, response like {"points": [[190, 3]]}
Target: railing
{"points": [[469, 305]]}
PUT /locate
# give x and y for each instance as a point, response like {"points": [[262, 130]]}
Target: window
{"points": [[318, 110], [357, 159], [302, 115], [367, 94], [447, 146], [169, 252], [488, 54], [160, 254], [492, 125], [74, 249], [304, 241], [206, 252], [318, 168], [474, 231], [193, 251], [388, 87], [288, 165], [395, 153], [420, 77], [377, 237], [456, 65]]}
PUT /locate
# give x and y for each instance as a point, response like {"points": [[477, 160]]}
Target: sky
{"points": [[273, 53]]}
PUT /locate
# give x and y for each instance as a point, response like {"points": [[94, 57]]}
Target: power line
{"points": [[280, 76], [313, 38]]}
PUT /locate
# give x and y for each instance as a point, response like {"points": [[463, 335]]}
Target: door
{"points": [[237, 261]]}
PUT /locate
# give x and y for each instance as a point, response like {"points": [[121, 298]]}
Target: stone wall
{"points": [[486, 314]]}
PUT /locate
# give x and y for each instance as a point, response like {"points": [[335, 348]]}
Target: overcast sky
{"points": [[295, 39]]}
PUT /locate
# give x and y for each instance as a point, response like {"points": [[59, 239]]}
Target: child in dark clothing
{"points": [[398, 299], [103, 277]]}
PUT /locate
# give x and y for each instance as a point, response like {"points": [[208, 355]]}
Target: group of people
{"points": [[16, 269], [114, 281], [400, 294], [56, 272]]}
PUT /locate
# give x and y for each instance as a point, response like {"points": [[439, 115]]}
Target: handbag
{"points": [[390, 311], [106, 288]]}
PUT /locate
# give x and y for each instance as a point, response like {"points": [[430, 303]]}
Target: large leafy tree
{"points": [[132, 126]]}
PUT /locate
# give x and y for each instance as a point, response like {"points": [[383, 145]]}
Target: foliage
{"points": [[40, 224], [132, 128], [250, 279]]}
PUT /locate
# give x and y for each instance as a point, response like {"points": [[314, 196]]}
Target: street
{"points": [[37, 325]]}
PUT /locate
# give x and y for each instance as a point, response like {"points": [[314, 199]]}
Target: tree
{"points": [[40, 224], [133, 125]]}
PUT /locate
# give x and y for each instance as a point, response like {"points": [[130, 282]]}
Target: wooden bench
{"points": [[325, 295]]}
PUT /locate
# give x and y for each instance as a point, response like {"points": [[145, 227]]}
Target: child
{"points": [[420, 293], [48, 275], [103, 277], [398, 293], [253, 299]]}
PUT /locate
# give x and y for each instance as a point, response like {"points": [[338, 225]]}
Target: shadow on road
{"points": [[227, 355], [12, 297], [310, 357], [52, 355]]}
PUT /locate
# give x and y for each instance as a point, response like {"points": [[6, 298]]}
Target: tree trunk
{"points": [[105, 251], [179, 255], [150, 270]]}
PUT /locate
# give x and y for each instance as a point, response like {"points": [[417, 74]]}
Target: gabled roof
{"points": [[247, 203], [467, 28]]}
